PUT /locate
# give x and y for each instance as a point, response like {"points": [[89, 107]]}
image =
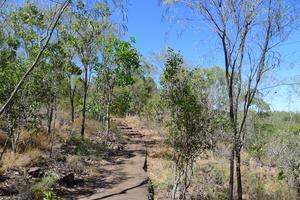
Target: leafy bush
{"points": [[42, 189]]}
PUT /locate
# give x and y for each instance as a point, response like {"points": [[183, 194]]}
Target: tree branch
{"points": [[2, 3], [37, 59]]}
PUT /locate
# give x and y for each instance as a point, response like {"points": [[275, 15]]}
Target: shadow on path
{"points": [[123, 191]]}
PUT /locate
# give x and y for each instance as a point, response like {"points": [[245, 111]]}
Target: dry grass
{"points": [[74, 162], [38, 140], [93, 171], [28, 158], [3, 138], [160, 172], [211, 180], [211, 172], [91, 127], [161, 150]]}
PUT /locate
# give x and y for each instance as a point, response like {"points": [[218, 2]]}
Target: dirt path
{"points": [[130, 179]]}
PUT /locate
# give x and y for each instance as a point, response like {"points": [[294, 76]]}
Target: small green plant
{"points": [[48, 195], [150, 190], [43, 188]]}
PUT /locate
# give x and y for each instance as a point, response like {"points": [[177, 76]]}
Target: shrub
{"points": [[43, 188]]}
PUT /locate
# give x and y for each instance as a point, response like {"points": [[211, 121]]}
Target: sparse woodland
{"points": [[74, 88]]}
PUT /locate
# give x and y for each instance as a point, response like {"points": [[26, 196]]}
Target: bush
{"points": [[75, 145], [43, 188]]}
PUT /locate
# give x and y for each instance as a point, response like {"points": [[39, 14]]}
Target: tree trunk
{"points": [[238, 173], [298, 189], [71, 96], [50, 117], [175, 185], [231, 175], [5, 147], [176, 179], [72, 108], [186, 184], [108, 114], [13, 139], [55, 114], [84, 101], [10, 132]]}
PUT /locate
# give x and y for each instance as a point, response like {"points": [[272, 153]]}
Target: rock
{"points": [[68, 180], [34, 171]]}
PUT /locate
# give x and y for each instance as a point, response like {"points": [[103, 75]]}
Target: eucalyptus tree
{"points": [[10, 71], [189, 123], [85, 28], [140, 93], [248, 32], [119, 61], [72, 73], [51, 78], [43, 42], [28, 24], [23, 35], [133, 98]]}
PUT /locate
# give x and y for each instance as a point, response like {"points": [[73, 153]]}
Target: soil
{"points": [[127, 179]]}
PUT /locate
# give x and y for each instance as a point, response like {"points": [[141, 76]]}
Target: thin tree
{"points": [[189, 124], [248, 32], [72, 73], [120, 60], [87, 26]]}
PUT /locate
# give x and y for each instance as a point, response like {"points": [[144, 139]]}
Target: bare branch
{"points": [[2, 3]]}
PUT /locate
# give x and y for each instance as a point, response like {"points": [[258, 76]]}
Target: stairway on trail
{"points": [[133, 180]]}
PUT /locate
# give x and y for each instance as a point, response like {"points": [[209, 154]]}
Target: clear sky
{"points": [[200, 48]]}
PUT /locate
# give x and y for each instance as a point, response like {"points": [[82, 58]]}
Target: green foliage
{"points": [[95, 108], [295, 129], [140, 93], [189, 121], [150, 190], [281, 175], [120, 60], [121, 101], [154, 108], [44, 186], [48, 195]]}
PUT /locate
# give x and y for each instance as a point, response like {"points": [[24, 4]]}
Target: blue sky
{"points": [[153, 34]]}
